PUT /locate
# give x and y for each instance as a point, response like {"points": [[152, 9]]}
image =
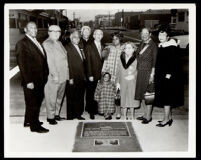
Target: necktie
{"points": [[99, 49], [38, 45]]}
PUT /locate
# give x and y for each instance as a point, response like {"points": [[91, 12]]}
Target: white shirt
{"points": [[98, 45], [36, 43], [78, 50]]}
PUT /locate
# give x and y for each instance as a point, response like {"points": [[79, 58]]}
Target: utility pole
{"points": [[122, 18], [73, 16], [109, 18]]}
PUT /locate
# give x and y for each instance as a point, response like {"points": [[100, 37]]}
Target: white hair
{"points": [[97, 31], [85, 28]]}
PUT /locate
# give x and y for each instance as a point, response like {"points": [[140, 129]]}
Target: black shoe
{"points": [[40, 130], [140, 118], [26, 124], [109, 117], [92, 116], [58, 118], [81, 118], [167, 123], [145, 121], [51, 121]]}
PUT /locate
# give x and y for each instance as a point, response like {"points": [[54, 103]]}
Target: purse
{"points": [[149, 96], [117, 99]]}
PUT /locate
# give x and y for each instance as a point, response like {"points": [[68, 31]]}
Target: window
{"points": [[33, 19], [12, 23], [40, 23], [181, 17]]}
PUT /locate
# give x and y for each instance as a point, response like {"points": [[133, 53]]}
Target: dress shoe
{"points": [[26, 124], [51, 121], [165, 124], [81, 118], [140, 118], [145, 121], [92, 116], [40, 130], [108, 117], [58, 118]]}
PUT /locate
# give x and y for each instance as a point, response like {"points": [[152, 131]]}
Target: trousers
{"points": [[54, 94]]}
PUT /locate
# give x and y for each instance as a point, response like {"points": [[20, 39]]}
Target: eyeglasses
{"points": [[54, 31]]}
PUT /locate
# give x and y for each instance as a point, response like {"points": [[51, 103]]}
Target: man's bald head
{"points": [[31, 29]]}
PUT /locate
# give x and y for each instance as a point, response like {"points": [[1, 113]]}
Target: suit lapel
{"points": [[35, 46], [96, 49], [75, 50]]}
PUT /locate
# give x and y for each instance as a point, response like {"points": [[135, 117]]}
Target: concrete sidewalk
{"points": [[21, 142]]}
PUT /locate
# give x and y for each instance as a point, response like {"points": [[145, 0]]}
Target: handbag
{"points": [[149, 96], [117, 99]]}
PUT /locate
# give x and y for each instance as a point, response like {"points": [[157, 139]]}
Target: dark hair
{"points": [[164, 28], [118, 35], [108, 74]]}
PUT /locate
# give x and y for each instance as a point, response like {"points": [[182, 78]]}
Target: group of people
{"points": [[90, 73]]}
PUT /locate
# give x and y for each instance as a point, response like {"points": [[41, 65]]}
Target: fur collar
{"points": [[130, 61], [171, 42]]}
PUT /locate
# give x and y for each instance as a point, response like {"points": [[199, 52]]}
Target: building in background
{"points": [[180, 19], [105, 20], [136, 20]]}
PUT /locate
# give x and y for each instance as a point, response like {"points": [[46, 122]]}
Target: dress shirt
{"points": [[78, 50], [36, 43], [98, 45]]}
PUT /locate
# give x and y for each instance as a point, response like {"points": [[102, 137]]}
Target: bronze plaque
{"points": [[104, 129]]}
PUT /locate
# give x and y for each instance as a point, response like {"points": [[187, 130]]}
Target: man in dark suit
{"points": [[94, 66], [32, 62], [75, 87]]}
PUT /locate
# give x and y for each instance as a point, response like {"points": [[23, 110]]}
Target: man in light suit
{"points": [[32, 62], [94, 65], [75, 87], [58, 74]]}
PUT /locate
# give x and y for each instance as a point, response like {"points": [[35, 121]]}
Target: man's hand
{"points": [[30, 86], [71, 82], [56, 79], [168, 76], [91, 79]]}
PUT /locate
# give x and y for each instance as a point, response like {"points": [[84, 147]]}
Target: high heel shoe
{"points": [[167, 123], [118, 116]]}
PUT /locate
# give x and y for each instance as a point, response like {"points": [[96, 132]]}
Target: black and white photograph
{"points": [[99, 80]]}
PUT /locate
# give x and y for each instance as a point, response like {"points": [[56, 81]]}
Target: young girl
{"points": [[104, 95], [126, 78]]}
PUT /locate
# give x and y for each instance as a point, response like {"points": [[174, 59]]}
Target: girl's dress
{"points": [[126, 76], [104, 95]]}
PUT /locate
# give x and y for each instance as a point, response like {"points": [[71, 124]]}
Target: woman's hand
{"points": [[168, 76], [151, 79], [117, 86]]}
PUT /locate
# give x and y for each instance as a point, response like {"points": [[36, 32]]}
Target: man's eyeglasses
{"points": [[53, 31]]}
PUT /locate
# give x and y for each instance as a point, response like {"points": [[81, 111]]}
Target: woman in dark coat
{"points": [[168, 77]]}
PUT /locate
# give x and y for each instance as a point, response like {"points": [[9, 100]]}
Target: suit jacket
{"points": [[32, 62], [75, 63], [147, 60], [94, 62], [57, 60]]}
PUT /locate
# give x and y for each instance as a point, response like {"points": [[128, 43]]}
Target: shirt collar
{"points": [[33, 39]]}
